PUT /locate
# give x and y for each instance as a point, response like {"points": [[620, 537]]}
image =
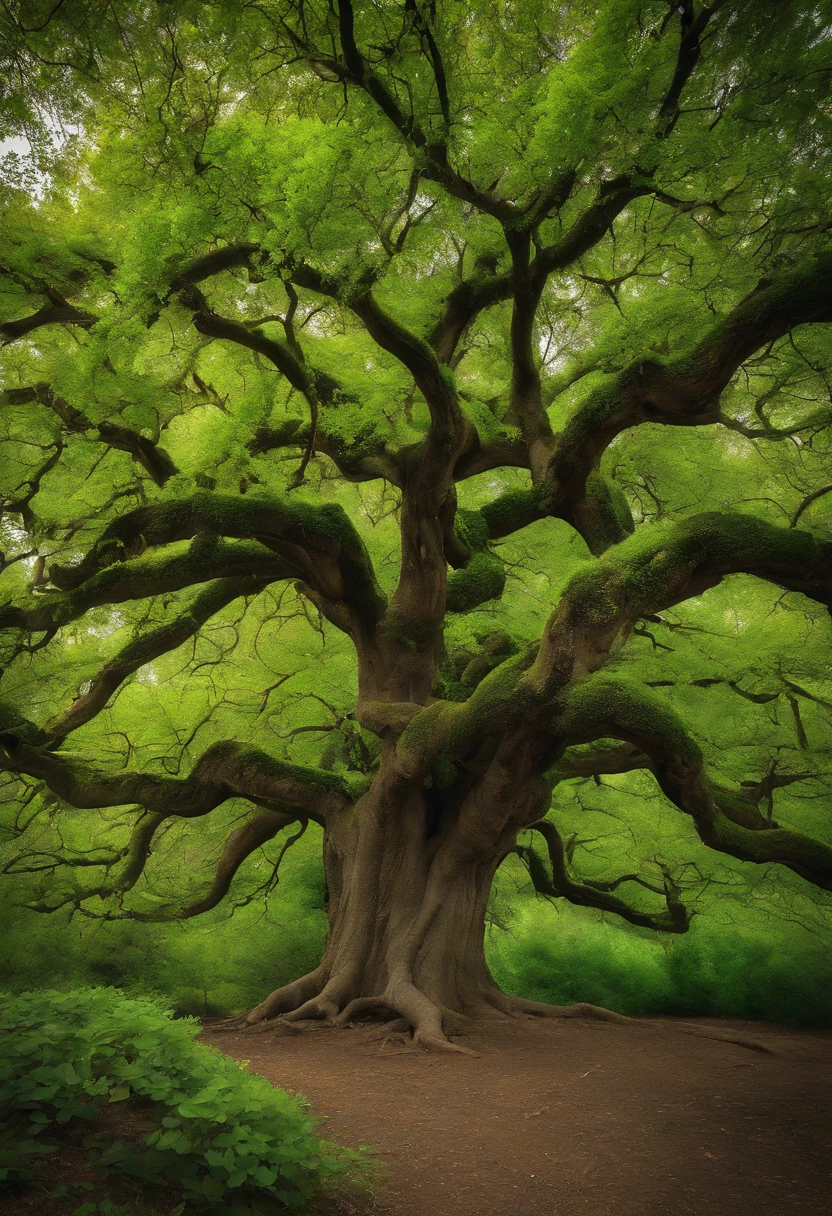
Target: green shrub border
{"points": [[221, 1134]]}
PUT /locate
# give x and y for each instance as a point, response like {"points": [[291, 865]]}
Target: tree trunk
{"points": [[407, 896]]}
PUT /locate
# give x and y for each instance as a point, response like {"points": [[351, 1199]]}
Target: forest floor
{"points": [[571, 1117]]}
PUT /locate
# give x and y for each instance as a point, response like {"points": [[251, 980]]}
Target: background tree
{"points": [[414, 413]]}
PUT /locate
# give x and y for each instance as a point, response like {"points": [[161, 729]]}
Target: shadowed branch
{"points": [[556, 881]]}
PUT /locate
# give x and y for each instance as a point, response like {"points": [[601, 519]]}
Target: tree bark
{"points": [[406, 904]]}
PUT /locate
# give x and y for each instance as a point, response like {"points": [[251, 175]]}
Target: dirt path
{"points": [[574, 1118]]}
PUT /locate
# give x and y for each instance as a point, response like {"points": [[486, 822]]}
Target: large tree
{"points": [[401, 399]]}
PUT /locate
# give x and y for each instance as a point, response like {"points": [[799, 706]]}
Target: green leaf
{"points": [[212, 1188]]}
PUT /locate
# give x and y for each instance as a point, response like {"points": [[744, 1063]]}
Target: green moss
{"points": [[446, 372], [481, 580], [513, 510], [774, 844], [14, 727], [227, 515], [637, 574], [501, 695], [443, 774], [471, 528], [331, 519], [588, 593], [466, 666], [605, 517], [422, 739], [602, 702], [591, 414], [413, 635], [609, 495], [450, 730], [449, 689], [270, 766]]}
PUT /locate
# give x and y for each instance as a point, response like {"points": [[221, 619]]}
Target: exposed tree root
{"points": [[540, 1009], [415, 1017], [361, 1004], [597, 1013], [417, 1021], [273, 1026], [396, 1029], [439, 1042], [690, 1028]]}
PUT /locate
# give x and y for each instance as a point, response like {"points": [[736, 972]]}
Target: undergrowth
{"points": [[222, 1138]]}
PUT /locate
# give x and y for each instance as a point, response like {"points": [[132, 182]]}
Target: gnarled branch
{"points": [[146, 647], [558, 882], [601, 706], [226, 770]]}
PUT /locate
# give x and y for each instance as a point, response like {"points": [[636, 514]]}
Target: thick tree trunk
{"points": [[407, 898]]}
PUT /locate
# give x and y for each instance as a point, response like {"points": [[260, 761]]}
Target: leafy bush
{"points": [[218, 1132]]}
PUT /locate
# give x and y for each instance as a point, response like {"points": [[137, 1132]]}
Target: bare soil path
{"points": [[572, 1118]]}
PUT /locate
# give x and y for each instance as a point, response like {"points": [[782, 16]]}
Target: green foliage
{"points": [[782, 974], [219, 1133]]}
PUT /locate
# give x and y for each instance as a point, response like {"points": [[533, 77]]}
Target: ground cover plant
{"points": [[210, 1130], [416, 424]]}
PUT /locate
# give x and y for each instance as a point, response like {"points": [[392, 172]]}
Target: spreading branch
{"points": [[319, 544], [136, 578], [685, 390], [148, 646], [62, 313], [226, 770], [602, 706], [662, 566], [154, 460], [556, 881]]}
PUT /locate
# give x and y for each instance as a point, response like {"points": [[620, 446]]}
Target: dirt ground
{"points": [[572, 1117]]}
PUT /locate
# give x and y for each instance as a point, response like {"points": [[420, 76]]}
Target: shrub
{"points": [[218, 1132], [779, 973]]}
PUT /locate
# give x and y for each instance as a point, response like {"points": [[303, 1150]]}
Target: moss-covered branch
{"points": [[355, 461], [481, 577], [226, 770], [683, 390], [596, 759], [601, 707], [319, 542], [663, 565], [653, 570], [206, 558]]}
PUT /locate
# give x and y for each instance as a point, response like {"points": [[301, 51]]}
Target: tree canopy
{"points": [[416, 420]]}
